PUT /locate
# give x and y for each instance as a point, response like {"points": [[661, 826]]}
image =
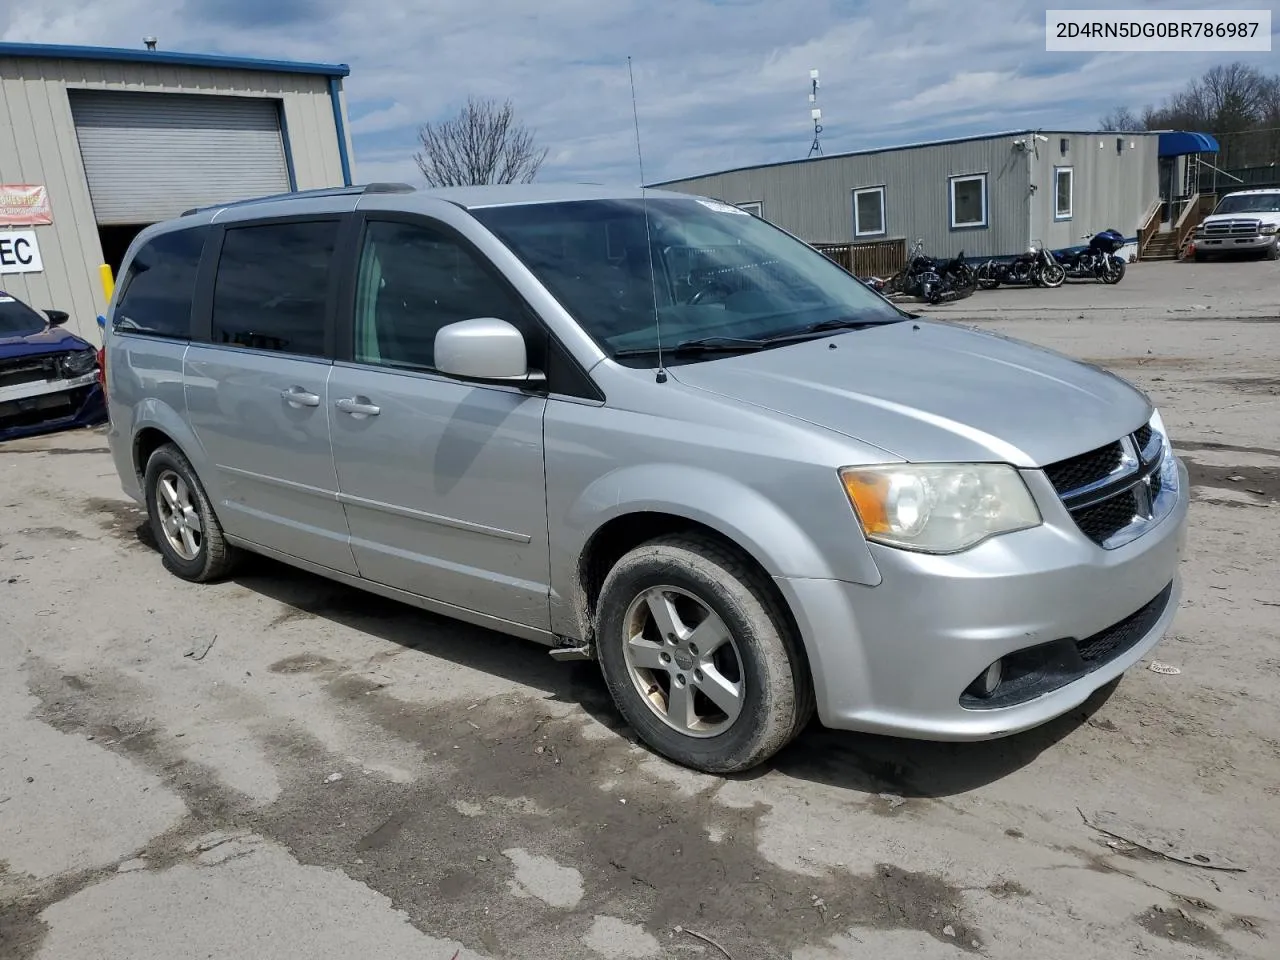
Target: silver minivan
{"points": [[654, 430]]}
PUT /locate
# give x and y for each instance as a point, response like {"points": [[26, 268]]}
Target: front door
{"points": [[442, 480], [256, 391]]}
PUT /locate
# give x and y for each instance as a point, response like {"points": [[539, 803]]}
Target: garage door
{"points": [[150, 156]]}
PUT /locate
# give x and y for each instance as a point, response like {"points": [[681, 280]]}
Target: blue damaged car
{"points": [[49, 377]]}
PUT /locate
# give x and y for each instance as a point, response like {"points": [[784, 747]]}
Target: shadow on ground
{"points": [[857, 762]]}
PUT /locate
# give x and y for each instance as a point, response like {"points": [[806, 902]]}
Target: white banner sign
{"points": [[19, 252]]}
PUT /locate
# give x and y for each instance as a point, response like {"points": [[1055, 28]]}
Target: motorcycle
{"points": [[1097, 260], [932, 279], [1036, 267]]}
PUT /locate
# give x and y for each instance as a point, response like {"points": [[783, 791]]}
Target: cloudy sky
{"points": [[721, 83]]}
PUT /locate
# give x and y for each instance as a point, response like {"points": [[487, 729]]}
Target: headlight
{"points": [[939, 508], [79, 363], [1168, 461], [1267, 229]]}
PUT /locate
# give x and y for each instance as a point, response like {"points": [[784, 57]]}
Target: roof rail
{"points": [[307, 194]]}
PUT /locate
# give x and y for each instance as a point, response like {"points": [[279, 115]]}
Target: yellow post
{"points": [[108, 282]]}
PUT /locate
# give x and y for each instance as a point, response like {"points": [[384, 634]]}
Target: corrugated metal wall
{"points": [[38, 145], [1112, 188], [814, 199]]}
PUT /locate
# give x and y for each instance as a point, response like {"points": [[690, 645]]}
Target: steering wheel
{"points": [[709, 288]]}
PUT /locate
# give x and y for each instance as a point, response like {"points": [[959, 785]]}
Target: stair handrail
{"points": [[1149, 225], [1191, 217]]}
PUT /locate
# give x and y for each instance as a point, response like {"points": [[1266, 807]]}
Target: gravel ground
{"points": [[281, 767]]}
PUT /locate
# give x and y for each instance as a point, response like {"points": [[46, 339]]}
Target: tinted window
{"points": [[17, 319], [156, 294], [272, 286], [414, 280]]}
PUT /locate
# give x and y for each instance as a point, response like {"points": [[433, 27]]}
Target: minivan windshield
{"points": [[17, 319], [721, 278], [1250, 203]]}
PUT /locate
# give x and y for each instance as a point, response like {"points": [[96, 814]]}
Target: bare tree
{"points": [[1121, 118], [483, 144], [1235, 102]]}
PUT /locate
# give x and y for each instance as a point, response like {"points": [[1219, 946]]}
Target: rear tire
{"points": [[684, 619], [185, 528]]}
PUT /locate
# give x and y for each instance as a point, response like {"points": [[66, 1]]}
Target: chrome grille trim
{"points": [[1231, 228], [1118, 507]]}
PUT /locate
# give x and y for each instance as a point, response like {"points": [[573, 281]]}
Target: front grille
{"points": [[20, 370], [1104, 520], [1231, 228], [1087, 468], [46, 408], [1113, 488]]}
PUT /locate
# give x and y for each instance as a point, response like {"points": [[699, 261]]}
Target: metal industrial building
{"points": [[96, 143], [988, 196]]}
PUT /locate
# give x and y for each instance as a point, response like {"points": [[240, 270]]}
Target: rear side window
{"points": [[155, 297], [272, 286]]}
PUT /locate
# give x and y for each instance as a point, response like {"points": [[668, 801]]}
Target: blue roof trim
{"points": [[1001, 135], [169, 58], [1177, 143]]}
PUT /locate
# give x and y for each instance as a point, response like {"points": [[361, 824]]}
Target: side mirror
{"points": [[57, 317], [485, 348]]}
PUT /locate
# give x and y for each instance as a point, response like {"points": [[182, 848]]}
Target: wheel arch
{"points": [[156, 424], [620, 513]]}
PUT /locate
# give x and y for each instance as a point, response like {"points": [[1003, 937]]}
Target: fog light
{"points": [[988, 680]]}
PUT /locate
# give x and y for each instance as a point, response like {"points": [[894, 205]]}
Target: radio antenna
{"points": [[648, 239]]}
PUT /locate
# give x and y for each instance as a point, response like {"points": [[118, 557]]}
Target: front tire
{"points": [[1272, 252], [699, 657], [1052, 275], [183, 523]]}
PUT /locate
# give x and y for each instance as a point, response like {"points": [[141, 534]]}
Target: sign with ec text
{"points": [[19, 252], [24, 205]]}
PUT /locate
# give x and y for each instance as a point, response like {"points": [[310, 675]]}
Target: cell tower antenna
{"points": [[815, 114]]}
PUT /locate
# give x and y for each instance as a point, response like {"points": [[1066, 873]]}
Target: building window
{"points": [[272, 286], [969, 201], [1063, 187], [868, 212], [753, 207]]}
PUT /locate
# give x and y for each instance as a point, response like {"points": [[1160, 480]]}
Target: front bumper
{"points": [[60, 405], [1252, 244], [896, 658]]}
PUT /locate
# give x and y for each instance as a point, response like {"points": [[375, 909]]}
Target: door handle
{"points": [[299, 397], [358, 407]]}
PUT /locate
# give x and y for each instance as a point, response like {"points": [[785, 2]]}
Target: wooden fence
{"points": [[881, 258]]}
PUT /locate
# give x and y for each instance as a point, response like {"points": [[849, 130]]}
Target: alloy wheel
{"points": [[179, 518], [684, 661]]}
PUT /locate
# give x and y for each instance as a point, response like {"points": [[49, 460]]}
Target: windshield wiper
{"points": [[826, 326], [703, 345]]}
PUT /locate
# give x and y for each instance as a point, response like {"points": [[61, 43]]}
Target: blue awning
{"points": [[1177, 143]]}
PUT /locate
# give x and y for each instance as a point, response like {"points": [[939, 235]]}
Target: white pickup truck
{"points": [[1246, 221]]}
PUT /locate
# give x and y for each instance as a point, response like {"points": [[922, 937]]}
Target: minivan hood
{"points": [[929, 391]]}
